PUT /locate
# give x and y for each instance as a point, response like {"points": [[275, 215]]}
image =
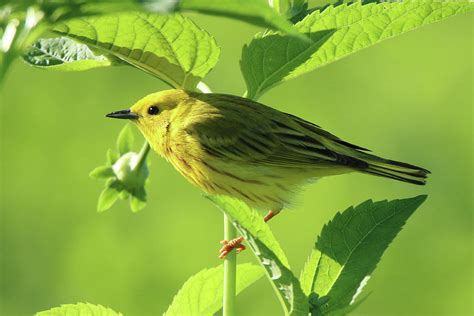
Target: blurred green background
{"points": [[409, 98]]}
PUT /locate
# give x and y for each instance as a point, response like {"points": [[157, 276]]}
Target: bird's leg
{"points": [[270, 215], [229, 245], [236, 243]]}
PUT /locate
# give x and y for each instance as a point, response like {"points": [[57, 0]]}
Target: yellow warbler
{"points": [[233, 146]]}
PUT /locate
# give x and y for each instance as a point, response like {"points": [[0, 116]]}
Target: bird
{"points": [[233, 146]]}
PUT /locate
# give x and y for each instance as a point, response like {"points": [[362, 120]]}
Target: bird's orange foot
{"points": [[229, 245], [270, 215]]}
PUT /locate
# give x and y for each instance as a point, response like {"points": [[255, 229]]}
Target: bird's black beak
{"points": [[123, 114]]}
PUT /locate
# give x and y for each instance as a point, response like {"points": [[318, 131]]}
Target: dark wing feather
{"points": [[241, 130], [318, 130]]}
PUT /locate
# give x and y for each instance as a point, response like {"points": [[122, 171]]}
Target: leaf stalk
{"points": [[142, 155]]}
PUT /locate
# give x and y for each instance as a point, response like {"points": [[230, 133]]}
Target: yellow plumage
{"points": [[233, 146]]}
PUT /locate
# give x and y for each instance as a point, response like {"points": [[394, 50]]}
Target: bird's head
{"points": [[152, 113], [151, 107]]}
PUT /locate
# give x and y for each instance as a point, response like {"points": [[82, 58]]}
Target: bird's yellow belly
{"points": [[261, 188]]}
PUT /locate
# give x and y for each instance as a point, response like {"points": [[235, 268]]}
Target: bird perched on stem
{"points": [[230, 145]]}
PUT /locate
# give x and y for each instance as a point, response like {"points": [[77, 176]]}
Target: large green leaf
{"points": [[170, 47], [349, 248], [201, 295], [79, 309], [268, 251], [256, 12], [271, 56], [62, 53], [56, 10], [336, 32]]}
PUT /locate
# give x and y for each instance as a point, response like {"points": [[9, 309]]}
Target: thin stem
{"points": [[230, 261], [143, 153], [230, 271]]}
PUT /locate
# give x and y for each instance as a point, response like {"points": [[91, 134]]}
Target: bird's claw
{"points": [[229, 245]]}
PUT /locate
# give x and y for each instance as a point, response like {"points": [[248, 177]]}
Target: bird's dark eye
{"points": [[153, 110]]}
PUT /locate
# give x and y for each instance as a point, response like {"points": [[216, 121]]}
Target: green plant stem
{"points": [[143, 153], [230, 270], [230, 261]]}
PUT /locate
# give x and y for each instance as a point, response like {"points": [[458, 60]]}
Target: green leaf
{"points": [[124, 195], [269, 253], [256, 12], [125, 140], [138, 199], [136, 204], [79, 309], [309, 271], [112, 156], [170, 47], [102, 172], [108, 196], [272, 58], [201, 295], [62, 53], [350, 246]]}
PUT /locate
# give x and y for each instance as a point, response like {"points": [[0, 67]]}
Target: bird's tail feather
{"points": [[392, 169]]}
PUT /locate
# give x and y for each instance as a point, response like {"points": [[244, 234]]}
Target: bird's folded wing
{"points": [[258, 139]]}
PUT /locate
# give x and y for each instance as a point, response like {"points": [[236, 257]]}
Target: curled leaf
{"points": [[62, 53]]}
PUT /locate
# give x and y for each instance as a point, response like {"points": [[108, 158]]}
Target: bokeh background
{"points": [[408, 98]]}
